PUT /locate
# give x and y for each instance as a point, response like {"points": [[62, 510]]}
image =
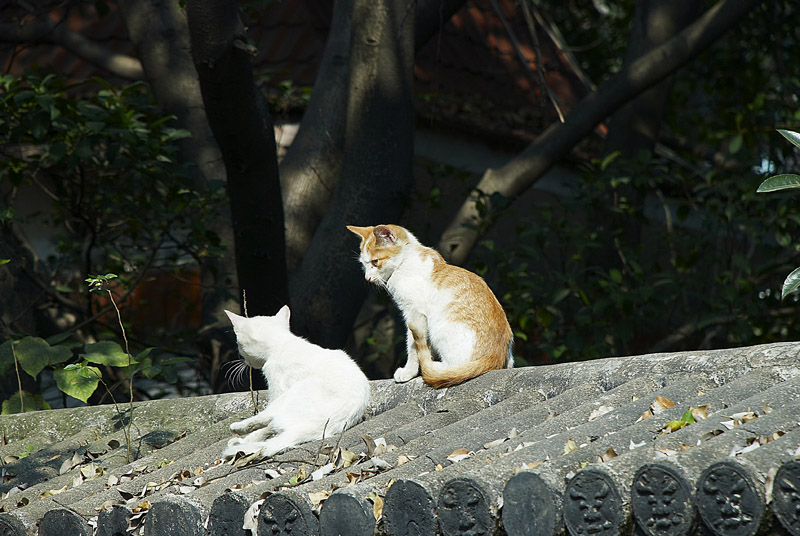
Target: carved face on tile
{"points": [[463, 509]]}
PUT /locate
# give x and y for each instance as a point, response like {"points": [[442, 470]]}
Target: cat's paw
{"points": [[240, 428], [402, 375]]}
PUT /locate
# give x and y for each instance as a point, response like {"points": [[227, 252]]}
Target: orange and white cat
{"points": [[449, 308]]}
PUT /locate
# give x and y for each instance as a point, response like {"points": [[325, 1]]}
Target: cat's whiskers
{"points": [[235, 372]]}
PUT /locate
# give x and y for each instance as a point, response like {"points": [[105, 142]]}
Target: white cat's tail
{"points": [[437, 374]]}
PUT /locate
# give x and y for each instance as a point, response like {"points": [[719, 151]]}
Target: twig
{"points": [[525, 62], [250, 369], [321, 444], [19, 380], [130, 373]]}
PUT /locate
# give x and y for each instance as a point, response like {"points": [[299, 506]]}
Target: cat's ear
{"points": [[233, 317], [284, 313], [363, 232], [384, 236]]}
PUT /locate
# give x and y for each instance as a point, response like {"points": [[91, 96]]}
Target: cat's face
{"points": [[380, 246], [253, 334]]}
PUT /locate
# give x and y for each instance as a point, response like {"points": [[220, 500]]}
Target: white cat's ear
{"points": [[233, 317], [285, 314], [384, 235]]}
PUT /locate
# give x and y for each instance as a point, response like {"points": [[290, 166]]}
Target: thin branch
{"points": [[51, 33], [524, 170]]}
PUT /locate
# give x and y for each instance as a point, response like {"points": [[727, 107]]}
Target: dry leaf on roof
{"points": [[71, 462], [598, 412], [460, 454], [144, 505], [570, 446], [633, 445], [346, 458], [240, 459], [298, 478], [660, 404], [318, 497], [664, 453], [377, 505], [495, 443], [380, 464], [646, 414], [326, 469], [250, 521], [107, 505], [404, 459], [608, 455], [51, 492], [271, 473]]}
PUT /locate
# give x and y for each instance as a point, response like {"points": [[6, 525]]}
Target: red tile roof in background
{"points": [[473, 73]]}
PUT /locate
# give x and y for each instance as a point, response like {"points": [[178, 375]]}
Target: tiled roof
{"points": [[685, 443]]}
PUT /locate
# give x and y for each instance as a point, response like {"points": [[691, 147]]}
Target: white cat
{"points": [[310, 388], [448, 310]]}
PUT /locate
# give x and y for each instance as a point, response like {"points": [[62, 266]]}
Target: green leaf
{"points": [[33, 354], [780, 182], [106, 353], [76, 383], [791, 283], [4, 261], [792, 136], [735, 144], [30, 402]]}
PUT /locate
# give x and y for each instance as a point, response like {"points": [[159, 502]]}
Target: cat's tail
{"points": [[434, 373]]}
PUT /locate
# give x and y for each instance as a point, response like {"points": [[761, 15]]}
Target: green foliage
{"points": [[78, 380], [120, 201], [109, 163], [642, 257], [785, 182], [23, 400]]}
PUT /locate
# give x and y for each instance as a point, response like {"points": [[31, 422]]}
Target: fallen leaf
{"points": [[598, 412], [459, 454], [250, 521], [495, 443], [74, 461], [377, 505], [608, 455], [318, 497], [645, 415], [322, 471], [660, 404], [633, 445], [51, 492], [403, 459], [570, 446]]}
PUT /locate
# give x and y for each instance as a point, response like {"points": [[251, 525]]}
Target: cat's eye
{"points": [[374, 262]]}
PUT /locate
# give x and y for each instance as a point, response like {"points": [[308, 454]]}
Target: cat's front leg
{"points": [[411, 368], [250, 424]]}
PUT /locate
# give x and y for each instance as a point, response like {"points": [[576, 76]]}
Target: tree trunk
{"points": [[376, 175], [634, 127], [524, 170], [244, 133], [159, 31], [313, 163], [312, 166]]}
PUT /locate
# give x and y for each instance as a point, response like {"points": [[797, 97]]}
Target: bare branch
{"points": [[524, 170], [51, 33]]}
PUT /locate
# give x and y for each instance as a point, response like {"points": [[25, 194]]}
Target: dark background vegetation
{"points": [[160, 166]]}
